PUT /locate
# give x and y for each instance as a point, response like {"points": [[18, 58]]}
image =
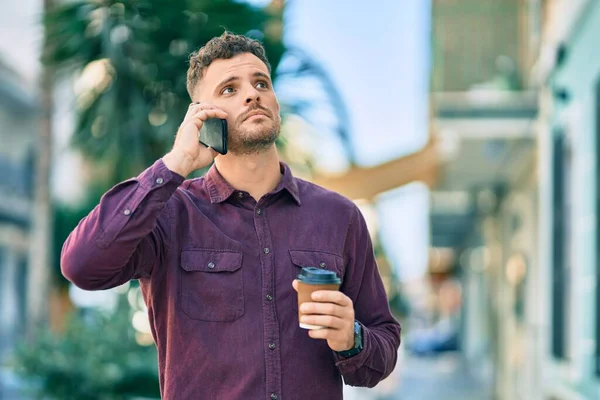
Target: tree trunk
{"points": [[39, 276]]}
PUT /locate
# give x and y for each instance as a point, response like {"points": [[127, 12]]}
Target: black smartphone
{"points": [[214, 134]]}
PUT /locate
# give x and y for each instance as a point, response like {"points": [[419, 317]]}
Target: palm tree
{"points": [[131, 92], [38, 280]]}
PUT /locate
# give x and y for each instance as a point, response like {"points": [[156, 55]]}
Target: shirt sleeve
{"points": [[381, 331], [125, 235]]}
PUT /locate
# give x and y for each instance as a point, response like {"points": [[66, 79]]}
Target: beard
{"points": [[253, 137]]}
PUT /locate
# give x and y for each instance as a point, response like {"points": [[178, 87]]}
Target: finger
{"points": [[199, 107], [213, 113], [295, 284], [194, 108], [196, 103], [325, 333], [331, 296], [214, 153], [324, 309], [197, 120], [185, 132], [327, 321]]}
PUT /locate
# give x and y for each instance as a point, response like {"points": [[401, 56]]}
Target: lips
{"points": [[254, 113]]}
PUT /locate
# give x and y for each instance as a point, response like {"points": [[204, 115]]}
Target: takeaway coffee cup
{"points": [[310, 280]]}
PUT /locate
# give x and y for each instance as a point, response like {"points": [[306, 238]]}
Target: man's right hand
{"points": [[188, 154]]}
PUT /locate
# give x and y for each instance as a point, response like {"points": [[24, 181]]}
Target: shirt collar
{"points": [[220, 190]]}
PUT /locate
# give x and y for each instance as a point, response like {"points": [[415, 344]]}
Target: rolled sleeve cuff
{"points": [[352, 364]]}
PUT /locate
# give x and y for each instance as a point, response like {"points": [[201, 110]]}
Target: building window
{"points": [[560, 245]]}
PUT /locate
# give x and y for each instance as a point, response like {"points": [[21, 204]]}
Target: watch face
{"points": [[357, 335]]}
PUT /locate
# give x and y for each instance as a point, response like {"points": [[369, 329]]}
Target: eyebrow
{"points": [[237, 78], [261, 75]]}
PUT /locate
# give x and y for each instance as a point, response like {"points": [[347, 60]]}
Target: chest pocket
{"points": [[314, 258], [211, 284]]}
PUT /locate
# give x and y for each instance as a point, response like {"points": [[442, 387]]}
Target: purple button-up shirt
{"points": [[216, 269]]}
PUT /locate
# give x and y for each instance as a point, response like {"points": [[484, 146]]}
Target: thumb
{"points": [[295, 284]]}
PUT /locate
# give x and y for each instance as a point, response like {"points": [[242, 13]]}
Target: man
{"points": [[216, 257]]}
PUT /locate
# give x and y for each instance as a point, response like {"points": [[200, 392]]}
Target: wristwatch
{"points": [[358, 342]]}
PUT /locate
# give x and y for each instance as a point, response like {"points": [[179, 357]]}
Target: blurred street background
{"points": [[466, 130]]}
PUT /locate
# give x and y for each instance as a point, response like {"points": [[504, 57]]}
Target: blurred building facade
{"points": [[17, 136], [484, 204], [569, 128], [19, 127], [516, 93]]}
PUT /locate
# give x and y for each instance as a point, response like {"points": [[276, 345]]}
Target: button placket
{"points": [[272, 356]]}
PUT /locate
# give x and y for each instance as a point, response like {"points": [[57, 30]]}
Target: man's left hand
{"points": [[333, 310]]}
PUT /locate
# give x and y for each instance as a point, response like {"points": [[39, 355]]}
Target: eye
{"points": [[227, 90], [263, 84]]}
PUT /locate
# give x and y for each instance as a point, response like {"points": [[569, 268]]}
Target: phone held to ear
{"points": [[214, 134]]}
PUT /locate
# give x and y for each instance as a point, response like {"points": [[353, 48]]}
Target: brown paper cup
{"points": [[304, 295]]}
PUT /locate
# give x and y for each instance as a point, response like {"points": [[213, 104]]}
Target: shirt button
{"points": [[323, 265], [127, 211], [258, 211], [240, 195], [266, 250], [274, 396], [269, 297], [211, 265], [159, 181], [272, 346]]}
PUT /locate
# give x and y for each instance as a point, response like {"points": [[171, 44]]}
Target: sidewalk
{"points": [[443, 377]]}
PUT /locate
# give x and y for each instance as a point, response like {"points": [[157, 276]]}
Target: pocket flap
{"points": [[211, 260], [319, 259]]}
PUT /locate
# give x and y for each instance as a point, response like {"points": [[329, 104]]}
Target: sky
{"points": [[378, 58], [21, 37]]}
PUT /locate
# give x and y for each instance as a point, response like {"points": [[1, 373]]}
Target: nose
{"points": [[252, 96]]}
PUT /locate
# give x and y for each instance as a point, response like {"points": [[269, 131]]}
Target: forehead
{"points": [[242, 65]]}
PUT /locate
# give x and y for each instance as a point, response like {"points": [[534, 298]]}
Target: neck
{"points": [[257, 174]]}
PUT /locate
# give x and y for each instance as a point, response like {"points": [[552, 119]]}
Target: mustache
{"points": [[252, 109]]}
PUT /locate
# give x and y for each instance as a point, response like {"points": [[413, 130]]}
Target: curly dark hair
{"points": [[226, 46]]}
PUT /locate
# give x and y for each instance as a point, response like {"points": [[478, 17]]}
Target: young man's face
{"points": [[241, 86]]}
